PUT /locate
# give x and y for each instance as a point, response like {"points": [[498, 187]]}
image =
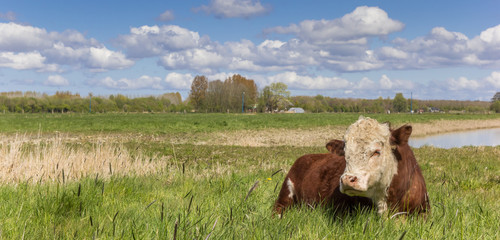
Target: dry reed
{"points": [[22, 159]]}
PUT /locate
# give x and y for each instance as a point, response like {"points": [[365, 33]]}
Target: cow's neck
{"points": [[380, 198], [402, 181]]}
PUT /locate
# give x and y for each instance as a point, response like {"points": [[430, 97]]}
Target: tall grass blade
{"points": [[251, 189]]}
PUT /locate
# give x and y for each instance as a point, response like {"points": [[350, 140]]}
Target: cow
{"points": [[380, 165], [374, 165]]}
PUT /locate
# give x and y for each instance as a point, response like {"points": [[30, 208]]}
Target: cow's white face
{"points": [[370, 163]]}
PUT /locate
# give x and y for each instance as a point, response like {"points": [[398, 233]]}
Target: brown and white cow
{"points": [[379, 167]]}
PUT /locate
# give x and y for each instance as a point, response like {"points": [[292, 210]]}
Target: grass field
{"points": [[152, 188], [182, 123]]}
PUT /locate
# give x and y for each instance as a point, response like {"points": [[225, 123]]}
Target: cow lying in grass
{"points": [[376, 166]]}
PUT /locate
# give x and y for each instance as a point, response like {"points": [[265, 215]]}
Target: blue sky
{"points": [[348, 49]]}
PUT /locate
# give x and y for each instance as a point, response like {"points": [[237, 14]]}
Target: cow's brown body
{"points": [[316, 179]]}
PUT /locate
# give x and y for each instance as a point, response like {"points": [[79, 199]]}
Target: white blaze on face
{"points": [[370, 163]]}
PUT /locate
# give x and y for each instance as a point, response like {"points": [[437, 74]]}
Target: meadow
{"points": [[53, 185]]}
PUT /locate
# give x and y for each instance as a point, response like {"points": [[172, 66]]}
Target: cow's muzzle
{"points": [[349, 184]]}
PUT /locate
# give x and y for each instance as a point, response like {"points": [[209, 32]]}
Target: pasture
{"points": [[165, 176]]}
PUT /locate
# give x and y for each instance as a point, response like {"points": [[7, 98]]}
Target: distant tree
{"points": [[495, 106], [280, 96], [496, 97], [233, 89], [198, 91], [399, 103], [216, 96]]}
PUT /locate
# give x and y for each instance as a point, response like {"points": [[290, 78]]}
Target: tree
{"points": [[280, 96], [495, 106], [216, 96], [198, 91], [399, 103]]}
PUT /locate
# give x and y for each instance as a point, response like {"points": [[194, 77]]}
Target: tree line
{"points": [[234, 95], [63, 102]]}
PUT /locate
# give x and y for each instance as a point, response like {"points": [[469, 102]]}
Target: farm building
{"points": [[296, 110]]}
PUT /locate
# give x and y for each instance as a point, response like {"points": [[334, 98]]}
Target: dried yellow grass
{"points": [[320, 136], [445, 126], [23, 159]]}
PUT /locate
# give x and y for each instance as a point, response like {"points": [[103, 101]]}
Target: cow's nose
{"points": [[349, 180]]}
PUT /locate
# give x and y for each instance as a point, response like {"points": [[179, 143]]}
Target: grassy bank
{"points": [[193, 123], [205, 191], [143, 176]]}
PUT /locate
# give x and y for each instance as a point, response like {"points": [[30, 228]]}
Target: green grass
{"points": [[463, 186], [204, 190], [184, 123]]}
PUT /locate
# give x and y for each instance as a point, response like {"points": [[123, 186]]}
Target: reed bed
{"points": [[52, 159]]}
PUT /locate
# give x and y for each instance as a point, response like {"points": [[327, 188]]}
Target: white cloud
{"points": [[56, 81], [25, 60], [386, 83], [494, 79], [295, 81], [102, 59], [143, 82], [179, 81], [352, 28], [16, 38], [391, 53], [366, 84], [27, 47], [234, 8], [462, 83], [203, 60], [445, 48], [148, 41], [166, 16]]}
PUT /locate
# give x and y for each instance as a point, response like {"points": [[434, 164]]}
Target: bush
{"points": [[495, 106]]}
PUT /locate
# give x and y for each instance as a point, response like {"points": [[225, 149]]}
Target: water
{"points": [[483, 137]]}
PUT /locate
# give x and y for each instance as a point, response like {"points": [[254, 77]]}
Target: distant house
{"points": [[296, 110], [434, 109], [496, 97]]}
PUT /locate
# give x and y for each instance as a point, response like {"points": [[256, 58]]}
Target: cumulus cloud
{"points": [[442, 47], [56, 81], [462, 83], [366, 84], [178, 81], [396, 84], [494, 79], [166, 16], [203, 60], [234, 8], [148, 41], [28, 47], [352, 28], [342, 44], [143, 82], [295, 81], [22, 61]]}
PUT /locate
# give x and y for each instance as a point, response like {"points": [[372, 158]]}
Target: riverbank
{"points": [[296, 131], [321, 135]]}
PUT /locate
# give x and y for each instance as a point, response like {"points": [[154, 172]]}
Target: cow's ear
{"points": [[401, 135], [336, 146]]}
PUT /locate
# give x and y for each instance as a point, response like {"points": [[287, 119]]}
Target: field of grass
{"points": [[182, 123], [187, 191]]}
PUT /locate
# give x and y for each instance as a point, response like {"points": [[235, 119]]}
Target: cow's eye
{"points": [[376, 153]]}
